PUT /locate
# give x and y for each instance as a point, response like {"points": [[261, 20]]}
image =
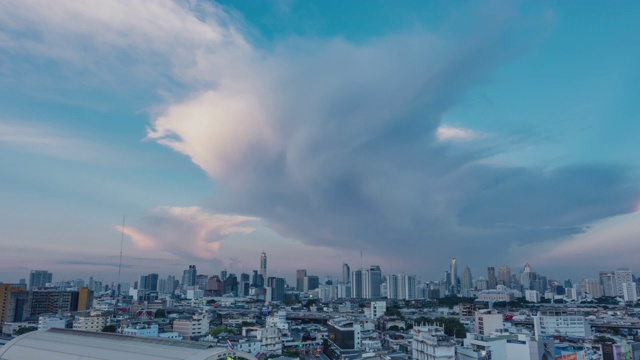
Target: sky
{"points": [[400, 134]]}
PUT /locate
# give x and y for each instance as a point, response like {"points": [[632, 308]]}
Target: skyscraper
{"points": [[622, 276], [39, 278], [491, 277], [410, 287], [392, 287], [356, 284], [466, 282], [608, 281], [453, 274], [371, 282], [300, 274], [346, 273], [263, 266], [504, 276]]}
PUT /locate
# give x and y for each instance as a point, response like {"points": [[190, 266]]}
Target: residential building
{"points": [[356, 284], [371, 282], [491, 277], [560, 322], [51, 301], [89, 323], [629, 292], [198, 325], [532, 296], [376, 309], [488, 321], [14, 303], [270, 338], [621, 277], [431, 343], [346, 273], [53, 322], [504, 276]]}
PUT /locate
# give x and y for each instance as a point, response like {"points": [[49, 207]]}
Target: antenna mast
{"points": [[121, 244]]}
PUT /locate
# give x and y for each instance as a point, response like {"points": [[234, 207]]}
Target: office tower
{"points": [[504, 276], [162, 285], [189, 276], [171, 284], [54, 301], [392, 287], [310, 283], [621, 277], [263, 266], [527, 277], [142, 282], [346, 273], [410, 287], [257, 280], [453, 277], [371, 282], [466, 282], [608, 282], [277, 288], [482, 284], [223, 275], [356, 284], [201, 281], [39, 278], [300, 274], [230, 285], [568, 284], [491, 277]]}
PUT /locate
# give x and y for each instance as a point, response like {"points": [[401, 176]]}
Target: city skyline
{"points": [[491, 132]]}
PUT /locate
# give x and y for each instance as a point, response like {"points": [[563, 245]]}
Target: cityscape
{"points": [[319, 180]]}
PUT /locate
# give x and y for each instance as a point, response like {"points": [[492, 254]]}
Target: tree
{"points": [[393, 311], [220, 329], [109, 329], [24, 330], [452, 326], [160, 313], [394, 328]]}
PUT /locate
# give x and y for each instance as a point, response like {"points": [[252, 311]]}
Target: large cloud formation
{"points": [[336, 143]]}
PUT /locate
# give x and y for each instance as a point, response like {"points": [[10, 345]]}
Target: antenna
{"points": [[121, 244]]}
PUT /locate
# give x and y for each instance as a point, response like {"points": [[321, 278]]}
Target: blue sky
{"points": [[493, 132]]}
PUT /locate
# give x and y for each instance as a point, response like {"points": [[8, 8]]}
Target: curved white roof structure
{"points": [[63, 344]]}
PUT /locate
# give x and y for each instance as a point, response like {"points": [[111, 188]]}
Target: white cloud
{"points": [[453, 133], [187, 232]]}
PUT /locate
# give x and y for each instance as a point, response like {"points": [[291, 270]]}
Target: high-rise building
{"points": [[392, 287], [189, 276], [223, 275], [300, 274], [491, 277], [402, 286], [356, 284], [13, 302], [38, 278], [410, 287], [466, 282], [504, 276], [346, 273], [371, 282], [54, 301], [148, 282], [171, 284], [453, 277], [310, 282], [592, 287], [263, 265], [622, 276], [608, 282]]}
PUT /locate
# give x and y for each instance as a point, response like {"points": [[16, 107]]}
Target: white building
{"points": [[488, 321], [560, 322], [532, 296], [269, 337], [51, 322], [430, 343], [629, 292], [198, 325], [376, 309], [279, 320], [496, 295], [504, 347], [621, 277], [89, 323]]}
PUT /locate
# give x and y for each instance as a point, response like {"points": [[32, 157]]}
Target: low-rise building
{"points": [[431, 343], [561, 322], [269, 337], [198, 325], [91, 323]]}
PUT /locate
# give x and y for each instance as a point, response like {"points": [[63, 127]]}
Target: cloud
{"points": [[342, 145], [452, 133], [187, 232], [330, 142]]}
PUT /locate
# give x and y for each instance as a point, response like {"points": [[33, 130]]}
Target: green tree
{"points": [[160, 313], [220, 329], [109, 329], [24, 330], [393, 311], [452, 326]]}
